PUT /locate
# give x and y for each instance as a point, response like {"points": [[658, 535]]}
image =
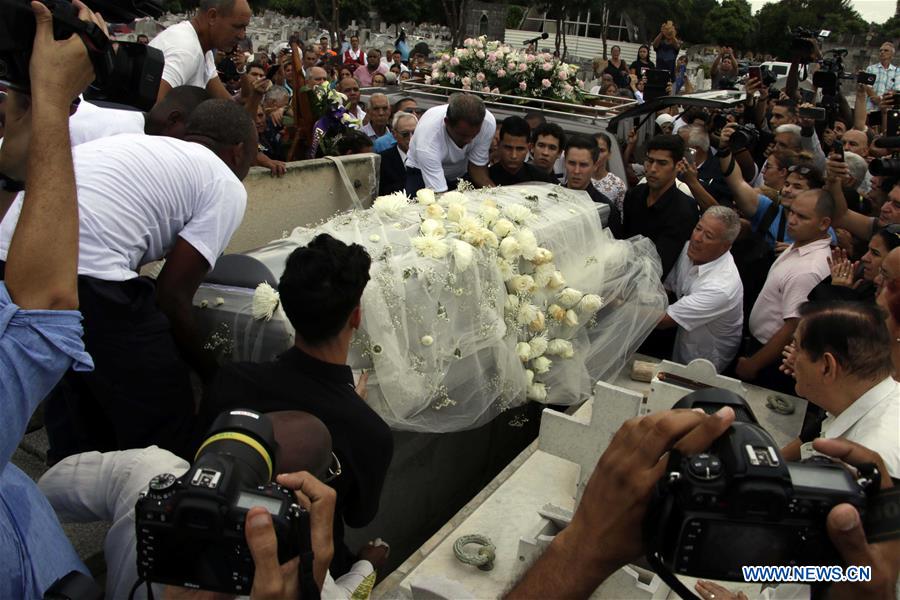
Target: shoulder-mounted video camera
{"points": [[127, 74], [740, 504]]}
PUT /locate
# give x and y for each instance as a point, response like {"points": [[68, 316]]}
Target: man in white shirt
{"points": [[842, 363], [795, 272], [709, 310], [143, 198], [379, 115], [451, 140]]}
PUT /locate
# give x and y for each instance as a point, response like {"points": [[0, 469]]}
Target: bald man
{"points": [[379, 115]]}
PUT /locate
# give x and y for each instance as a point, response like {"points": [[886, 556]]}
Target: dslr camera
{"points": [[744, 136], [190, 529], [127, 73], [740, 504]]}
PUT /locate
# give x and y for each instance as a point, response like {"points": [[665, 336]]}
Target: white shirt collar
{"points": [[712, 265], [838, 426]]}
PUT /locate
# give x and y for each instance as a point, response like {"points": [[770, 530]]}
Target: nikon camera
{"points": [[190, 529], [740, 504]]}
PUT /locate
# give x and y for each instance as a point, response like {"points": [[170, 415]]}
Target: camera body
{"points": [[190, 529], [739, 504], [744, 136], [865, 78]]}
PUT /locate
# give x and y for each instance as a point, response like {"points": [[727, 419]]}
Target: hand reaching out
{"points": [[842, 270]]}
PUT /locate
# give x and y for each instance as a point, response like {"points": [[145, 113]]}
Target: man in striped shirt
{"points": [[887, 76]]}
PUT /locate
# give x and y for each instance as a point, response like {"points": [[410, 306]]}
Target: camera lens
{"points": [[248, 438]]}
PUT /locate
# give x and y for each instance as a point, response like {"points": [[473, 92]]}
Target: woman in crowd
{"points": [[888, 281], [379, 80], [843, 283], [605, 182], [642, 62], [775, 172], [617, 67]]}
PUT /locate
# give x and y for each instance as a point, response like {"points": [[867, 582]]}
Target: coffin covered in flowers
{"points": [[478, 301]]}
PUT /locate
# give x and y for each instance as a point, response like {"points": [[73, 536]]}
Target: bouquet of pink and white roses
{"points": [[494, 67]]}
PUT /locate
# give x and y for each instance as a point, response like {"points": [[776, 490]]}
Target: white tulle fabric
{"points": [[440, 344]]}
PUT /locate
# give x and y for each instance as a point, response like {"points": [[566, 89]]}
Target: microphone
{"points": [[888, 142], [535, 40]]}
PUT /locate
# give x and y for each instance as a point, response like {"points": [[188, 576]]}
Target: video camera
{"points": [[832, 70], [127, 74], [803, 47], [888, 166], [190, 529], [740, 504]]}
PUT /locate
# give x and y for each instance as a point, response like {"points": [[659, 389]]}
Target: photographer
{"points": [[724, 70], [859, 225], [605, 532]]}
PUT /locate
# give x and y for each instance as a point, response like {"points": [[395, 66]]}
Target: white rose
{"points": [[538, 323], [503, 227], [391, 205], [537, 392], [430, 246], [569, 297], [462, 255], [527, 313], [507, 271], [435, 211], [509, 248], [571, 318], [512, 303], [489, 214], [523, 351], [521, 284], [527, 242], [456, 212], [542, 256], [529, 376], [542, 274], [556, 312], [556, 281], [541, 364], [452, 197], [517, 212], [425, 196], [427, 340], [538, 345], [591, 303], [563, 348], [433, 228], [490, 239]]}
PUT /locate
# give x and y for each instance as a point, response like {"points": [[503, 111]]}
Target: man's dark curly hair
{"points": [[321, 285]]}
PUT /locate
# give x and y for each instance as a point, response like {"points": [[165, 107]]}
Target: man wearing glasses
{"points": [[393, 160], [887, 76]]}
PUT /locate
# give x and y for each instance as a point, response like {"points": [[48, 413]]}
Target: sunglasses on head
{"points": [[803, 170]]}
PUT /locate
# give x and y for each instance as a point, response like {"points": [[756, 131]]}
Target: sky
{"points": [[878, 11]]}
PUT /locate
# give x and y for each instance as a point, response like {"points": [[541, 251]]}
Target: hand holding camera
{"points": [[836, 169]]}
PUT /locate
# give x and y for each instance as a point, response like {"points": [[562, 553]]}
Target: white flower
{"points": [[591, 303], [456, 211], [512, 303], [425, 196], [469, 230], [541, 256], [503, 227], [556, 281], [265, 301], [490, 239], [435, 211], [569, 297], [509, 248], [488, 214], [523, 351], [538, 345], [542, 274], [556, 312], [452, 196], [427, 340], [462, 255], [571, 318], [541, 365], [219, 301], [527, 242], [527, 313], [507, 270], [517, 212], [521, 284], [529, 377], [430, 246], [561, 348], [432, 228], [374, 238], [391, 205], [538, 323], [537, 392]]}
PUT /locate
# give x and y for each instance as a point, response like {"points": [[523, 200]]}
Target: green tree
{"points": [[514, 16], [396, 11], [775, 19], [889, 30], [730, 23]]}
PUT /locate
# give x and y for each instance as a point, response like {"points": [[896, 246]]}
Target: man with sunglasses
{"points": [[393, 160]]}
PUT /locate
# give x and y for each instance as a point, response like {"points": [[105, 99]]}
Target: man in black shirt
{"points": [[657, 209], [512, 150], [582, 153], [320, 292]]}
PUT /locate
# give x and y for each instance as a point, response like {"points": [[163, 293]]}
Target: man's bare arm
{"points": [[480, 176]]}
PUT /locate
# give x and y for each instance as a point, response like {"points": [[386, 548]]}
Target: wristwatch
{"points": [[8, 184]]}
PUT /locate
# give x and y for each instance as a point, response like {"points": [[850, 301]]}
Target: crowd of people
{"points": [[778, 245]]}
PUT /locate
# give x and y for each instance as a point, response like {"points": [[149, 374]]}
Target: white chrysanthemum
{"points": [[503, 227], [529, 376], [556, 312], [391, 205], [265, 301], [539, 323], [374, 238], [517, 213], [542, 256], [527, 313], [452, 197], [427, 340], [527, 242], [563, 348], [507, 269], [456, 211], [542, 274], [590, 304], [537, 392], [523, 351], [521, 284], [509, 248], [569, 297], [571, 318], [433, 228], [430, 246], [538, 345], [556, 281], [435, 211], [488, 214], [490, 239], [463, 254], [512, 304], [541, 365], [425, 196]]}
